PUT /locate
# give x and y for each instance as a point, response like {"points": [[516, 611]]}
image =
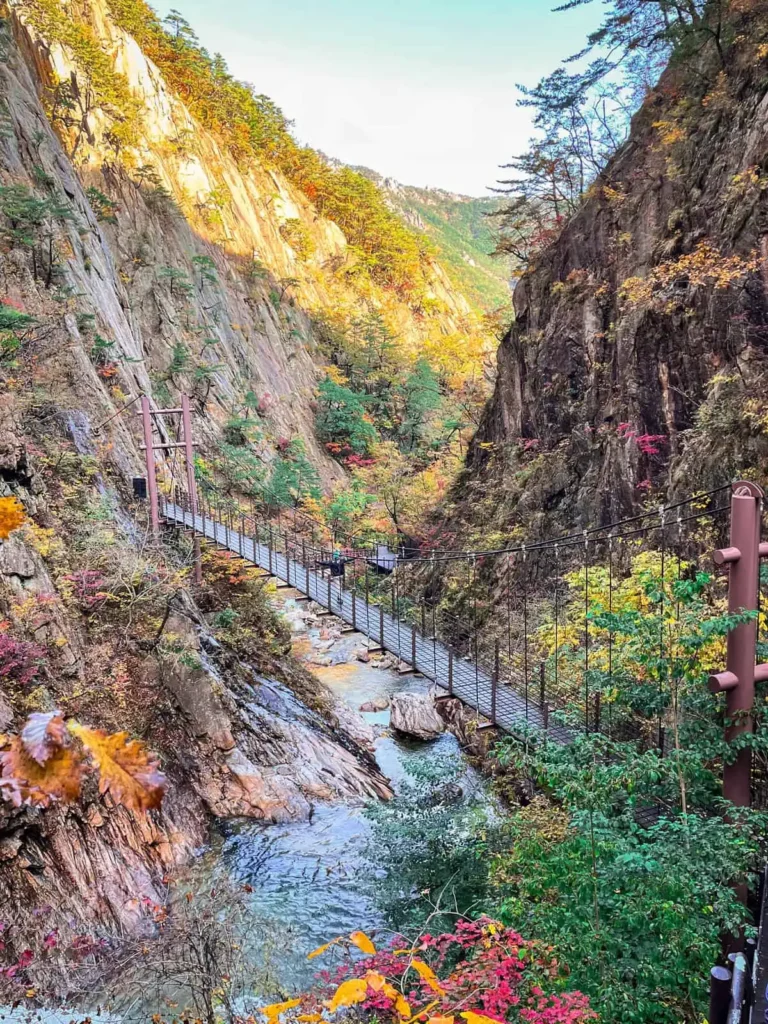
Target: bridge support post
{"points": [[413, 646], [149, 454], [542, 684], [189, 457], [381, 626], [738, 680], [450, 672]]}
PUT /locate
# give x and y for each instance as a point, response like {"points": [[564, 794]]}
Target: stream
{"points": [[309, 878], [302, 883]]}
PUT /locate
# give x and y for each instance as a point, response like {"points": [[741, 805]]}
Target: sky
{"points": [[423, 91]]}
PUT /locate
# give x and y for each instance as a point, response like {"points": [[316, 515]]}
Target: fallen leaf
{"points": [[43, 734], [128, 772], [26, 781]]}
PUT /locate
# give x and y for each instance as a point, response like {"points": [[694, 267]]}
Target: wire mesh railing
{"points": [[513, 631]]}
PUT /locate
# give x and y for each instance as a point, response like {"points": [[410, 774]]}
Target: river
{"points": [[310, 879], [299, 884]]}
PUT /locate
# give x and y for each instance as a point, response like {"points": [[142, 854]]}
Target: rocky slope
{"points": [[463, 228], [637, 360], [164, 266]]}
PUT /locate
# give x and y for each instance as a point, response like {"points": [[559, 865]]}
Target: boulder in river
{"points": [[414, 714], [379, 704]]}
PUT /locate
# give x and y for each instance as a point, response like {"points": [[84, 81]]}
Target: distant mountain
{"points": [[463, 231]]}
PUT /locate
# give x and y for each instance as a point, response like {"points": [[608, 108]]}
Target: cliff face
{"points": [[168, 267], [637, 360], [203, 254]]}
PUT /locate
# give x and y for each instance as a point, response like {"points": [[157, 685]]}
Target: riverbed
{"points": [[310, 879]]}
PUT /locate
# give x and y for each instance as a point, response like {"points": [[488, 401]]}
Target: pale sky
{"points": [[420, 90]]}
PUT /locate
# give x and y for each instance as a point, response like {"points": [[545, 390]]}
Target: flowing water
{"points": [[310, 878], [306, 882]]}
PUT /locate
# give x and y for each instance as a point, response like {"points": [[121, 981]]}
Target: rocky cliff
{"points": [[636, 364], [157, 263]]}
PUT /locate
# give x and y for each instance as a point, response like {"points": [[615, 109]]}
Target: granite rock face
{"points": [[638, 354]]}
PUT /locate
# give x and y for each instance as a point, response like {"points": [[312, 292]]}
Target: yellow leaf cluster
{"points": [[11, 516], [706, 266]]}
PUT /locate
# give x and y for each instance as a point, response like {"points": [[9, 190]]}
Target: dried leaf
{"points": [[28, 782], [322, 949], [361, 940], [129, 773], [428, 975], [43, 734]]}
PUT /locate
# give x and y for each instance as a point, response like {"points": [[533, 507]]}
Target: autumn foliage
{"points": [[11, 516], [49, 760], [480, 973]]}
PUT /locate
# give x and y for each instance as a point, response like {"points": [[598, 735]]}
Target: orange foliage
{"points": [[11, 516], [43, 765]]}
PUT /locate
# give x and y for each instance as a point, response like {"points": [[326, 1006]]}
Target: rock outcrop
{"points": [[637, 359], [415, 715]]}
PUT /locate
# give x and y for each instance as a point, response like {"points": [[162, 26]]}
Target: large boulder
{"points": [[414, 714]]}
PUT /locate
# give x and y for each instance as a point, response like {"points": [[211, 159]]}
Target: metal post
{"points": [[381, 625], [354, 608], [330, 608], [189, 456], [545, 715], [597, 718], [542, 684], [242, 533], [413, 646], [269, 547], [450, 671], [494, 688], [738, 680], [719, 995], [149, 452]]}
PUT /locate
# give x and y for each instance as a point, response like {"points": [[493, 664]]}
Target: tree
{"points": [[581, 118], [420, 396], [293, 477], [342, 418]]}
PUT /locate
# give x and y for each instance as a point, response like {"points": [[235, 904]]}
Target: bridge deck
{"points": [[433, 659]]}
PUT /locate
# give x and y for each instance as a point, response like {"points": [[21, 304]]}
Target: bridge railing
{"points": [[522, 616]]}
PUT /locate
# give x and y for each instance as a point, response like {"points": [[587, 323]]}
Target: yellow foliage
{"points": [[428, 975], [477, 1018], [334, 373], [706, 266], [669, 132], [351, 992], [274, 1011], [11, 516], [361, 940]]}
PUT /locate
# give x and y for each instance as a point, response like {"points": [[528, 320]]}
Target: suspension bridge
{"points": [[519, 641], [457, 676]]}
